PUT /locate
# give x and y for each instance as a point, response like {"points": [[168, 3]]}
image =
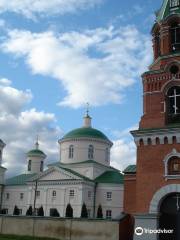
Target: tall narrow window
{"points": [[108, 214], [173, 104], [107, 155], [29, 165], [71, 151], [41, 166], [91, 152], [175, 37]]}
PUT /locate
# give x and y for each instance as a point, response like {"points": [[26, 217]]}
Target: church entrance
{"points": [[170, 217]]}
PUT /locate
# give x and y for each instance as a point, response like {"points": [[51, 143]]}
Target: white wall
{"points": [[89, 170], [81, 151], [62, 198], [116, 204]]}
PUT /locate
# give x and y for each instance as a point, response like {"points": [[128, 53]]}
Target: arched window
{"points": [[107, 155], [175, 37], [149, 141], [54, 193], [174, 3], [71, 151], [157, 141], [29, 165], [165, 140], [174, 140], [91, 152], [174, 166], [173, 104], [41, 166]]}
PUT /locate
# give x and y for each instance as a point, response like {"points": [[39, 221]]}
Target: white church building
{"points": [[82, 175]]}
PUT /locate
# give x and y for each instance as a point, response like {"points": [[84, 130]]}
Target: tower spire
{"points": [[87, 118], [37, 142]]}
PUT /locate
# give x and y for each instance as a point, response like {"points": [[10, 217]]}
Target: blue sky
{"points": [[55, 56]]}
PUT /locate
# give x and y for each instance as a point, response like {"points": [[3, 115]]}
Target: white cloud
{"points": [[32, 8], [94, 66], [19, 128], [123, 153], [13, 99]]}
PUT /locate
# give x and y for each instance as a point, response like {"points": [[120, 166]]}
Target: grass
{"points": [[12, 237]]}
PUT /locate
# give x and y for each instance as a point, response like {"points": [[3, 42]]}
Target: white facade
{"points": [[75, 179]]}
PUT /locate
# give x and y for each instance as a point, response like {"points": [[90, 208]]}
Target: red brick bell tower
{"points": [[152, 187]]}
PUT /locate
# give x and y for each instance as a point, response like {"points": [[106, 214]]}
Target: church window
{"points": [[141, 142], [54, 193], [174, 140], [71, 151], [107, 155], [29, 165], [91, 152], [89, 194], [71, 193], [108, 214], [174, 3], [174, 166], [41, 166], [21, 196], [109, 195], [149, 141], [157, 141], [37, 194], [175, 37], [173, 104], [165, 140], [7, 196]]}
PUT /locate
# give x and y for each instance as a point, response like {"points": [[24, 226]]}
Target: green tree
{"points": [[99, 212], [84, 212], [16, 210], [40, 211], [54, 213], [29, 212], [69, 211]]}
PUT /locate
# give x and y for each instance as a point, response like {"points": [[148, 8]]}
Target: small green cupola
{"points": [[35, 159], [168, 8]]}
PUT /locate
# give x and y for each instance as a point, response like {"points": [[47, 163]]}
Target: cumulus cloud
{"points": [[33, 8], [19, 128], [123, 154], [94, 66]]}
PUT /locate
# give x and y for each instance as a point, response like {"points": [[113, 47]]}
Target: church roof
{"points": [[84, 163], [166, 10], [110, 177], [130, 169], [86, 132], [20, 179], [35, 152]]}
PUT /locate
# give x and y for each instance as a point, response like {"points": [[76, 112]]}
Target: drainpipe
{"points": [[1, 200], [94, 200], [34, 207]]}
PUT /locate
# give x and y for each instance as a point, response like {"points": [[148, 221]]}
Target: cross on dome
{"points": [[87, 118], [37, 142]]}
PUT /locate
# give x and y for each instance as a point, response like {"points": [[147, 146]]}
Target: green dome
{"points": [[86, 132], [35, 152]]}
